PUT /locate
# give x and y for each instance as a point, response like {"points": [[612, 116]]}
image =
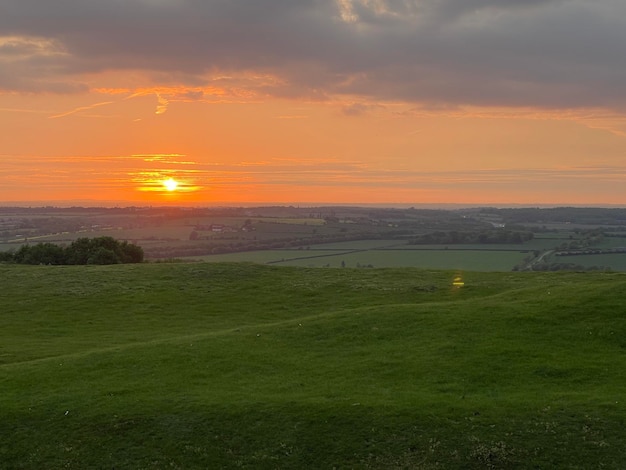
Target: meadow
{"points": [[465, 259], [386, 254], [616, 262], [218, 365]]}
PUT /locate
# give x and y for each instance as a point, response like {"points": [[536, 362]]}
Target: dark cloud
{"points": [[450, 9], [549, 53]]}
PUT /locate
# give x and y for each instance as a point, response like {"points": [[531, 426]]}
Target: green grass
{"points": [[386, 254], [268, 256], [477, 260], [204, 365], [360, 245], [611, 242], [614, 261]]}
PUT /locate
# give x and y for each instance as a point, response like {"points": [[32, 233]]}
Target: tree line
{"points": [[453, 237], [100, 250], [578, 215]]}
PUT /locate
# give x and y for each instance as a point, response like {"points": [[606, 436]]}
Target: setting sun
{"points": [[170, 184]]}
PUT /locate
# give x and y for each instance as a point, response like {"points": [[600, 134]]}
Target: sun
{"points": [[170, 184]]}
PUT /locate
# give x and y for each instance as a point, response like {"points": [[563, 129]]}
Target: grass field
{"points": [[616, 261], [206, 365], [473, 260], [271, 256], [476, 260], [395, 254], [612, 242], [384, 254]]}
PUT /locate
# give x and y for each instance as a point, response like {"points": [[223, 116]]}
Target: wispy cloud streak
{"points": [[162, 104], [80, 109]]}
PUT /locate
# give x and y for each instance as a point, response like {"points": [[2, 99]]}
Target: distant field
{"points": [[612, 242], [360, 245], [291, 221], [398, 254], [562, 234], [472, 260], [180, 229], [547, 243], [175, 232], [535, 244], [265, 256], [169, 238], [208, 365], [616, 261]]}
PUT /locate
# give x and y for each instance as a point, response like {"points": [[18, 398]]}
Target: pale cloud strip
{"points": [[162, 104], [167, 158], [593, 118], [25, 111], [80, 109]]}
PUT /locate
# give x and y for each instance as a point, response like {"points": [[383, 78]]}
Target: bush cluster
{"points": [[100, 250]]}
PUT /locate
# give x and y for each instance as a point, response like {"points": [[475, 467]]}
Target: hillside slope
{"points": [[247, 366]]}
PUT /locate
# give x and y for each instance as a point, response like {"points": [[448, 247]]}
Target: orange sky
{"points": [[292, 119]]}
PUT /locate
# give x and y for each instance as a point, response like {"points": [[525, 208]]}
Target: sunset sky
{"points": [[313, 101]]}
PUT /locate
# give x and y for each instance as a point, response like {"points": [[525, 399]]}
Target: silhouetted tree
{"points": [[101, 250]]}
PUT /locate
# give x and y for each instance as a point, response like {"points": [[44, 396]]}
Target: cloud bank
{"points": [[552, 54]]}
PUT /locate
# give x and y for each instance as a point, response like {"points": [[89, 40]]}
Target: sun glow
{"points": [[170, 184]]}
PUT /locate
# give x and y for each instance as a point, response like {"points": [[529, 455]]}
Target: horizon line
{"points": [[87, 204]]}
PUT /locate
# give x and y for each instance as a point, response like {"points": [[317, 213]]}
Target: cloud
{"points": [[552, 54], [105, 175], [80, 109], [453, 9], [30, 63], [358, 109], [162, 104]]}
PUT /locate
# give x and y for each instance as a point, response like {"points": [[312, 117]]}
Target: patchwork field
{"points": [[212, 365], [386, 254]]}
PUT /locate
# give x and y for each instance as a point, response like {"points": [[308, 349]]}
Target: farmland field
{"points": [[387, 254], [612, 242], [331, 236], [473, 260], [615, 261], [269, 256], [213, 365], [397, 253]]}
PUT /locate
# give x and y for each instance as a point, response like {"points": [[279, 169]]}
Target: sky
{"points": [[414, 102]]}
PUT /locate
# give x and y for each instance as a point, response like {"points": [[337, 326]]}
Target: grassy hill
{"points": [[206, 365]]}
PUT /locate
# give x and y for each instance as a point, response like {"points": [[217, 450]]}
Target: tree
{"points": [[79, 251], [131, 253], [102, 255], [102, 250], [42, 253]]}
